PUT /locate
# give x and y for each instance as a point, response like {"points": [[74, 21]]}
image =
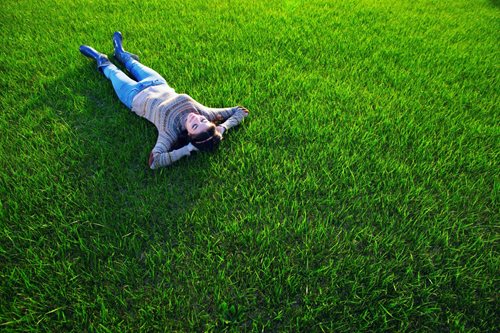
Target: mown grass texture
{"points": [[361, 194]]}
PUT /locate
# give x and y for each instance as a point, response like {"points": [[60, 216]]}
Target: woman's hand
{"points": [[245, 110], [221, 129], [151, 159], [191, 147]]}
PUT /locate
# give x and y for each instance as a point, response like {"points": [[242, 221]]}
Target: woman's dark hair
{"points": [[208, 140]]}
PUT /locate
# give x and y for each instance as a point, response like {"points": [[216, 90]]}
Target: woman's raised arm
{"points": [[228, 117], [161, 155]]}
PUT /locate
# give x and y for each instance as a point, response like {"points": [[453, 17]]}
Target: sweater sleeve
{"points": [[230, 117], [162, 155]]}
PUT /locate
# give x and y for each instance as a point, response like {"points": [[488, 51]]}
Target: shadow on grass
{"points": [[495, 3], [108, 148]]}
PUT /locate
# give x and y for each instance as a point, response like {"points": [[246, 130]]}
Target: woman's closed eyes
{"points": [[203, 120]]}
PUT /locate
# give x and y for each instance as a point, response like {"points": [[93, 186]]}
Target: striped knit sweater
{"points": [[168, 110]]}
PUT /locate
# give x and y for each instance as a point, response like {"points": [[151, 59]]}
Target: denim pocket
{"points": [[149, 83], [130, 97]]}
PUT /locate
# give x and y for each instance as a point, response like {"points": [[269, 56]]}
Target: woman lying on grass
{"points": [[176, 116]]}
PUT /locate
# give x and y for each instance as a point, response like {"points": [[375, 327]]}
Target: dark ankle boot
{"points": [[120, 54], [101, 59]]}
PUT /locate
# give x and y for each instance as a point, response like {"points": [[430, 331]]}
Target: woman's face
{"points": [[196, 124]]}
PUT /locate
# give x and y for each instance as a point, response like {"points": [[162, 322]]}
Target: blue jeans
{"points": [[125, 87]]}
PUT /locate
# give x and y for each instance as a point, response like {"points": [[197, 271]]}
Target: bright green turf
{"points": [[361, 194]]}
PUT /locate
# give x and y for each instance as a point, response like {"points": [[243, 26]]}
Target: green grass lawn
{"points": [[361, 194]]}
